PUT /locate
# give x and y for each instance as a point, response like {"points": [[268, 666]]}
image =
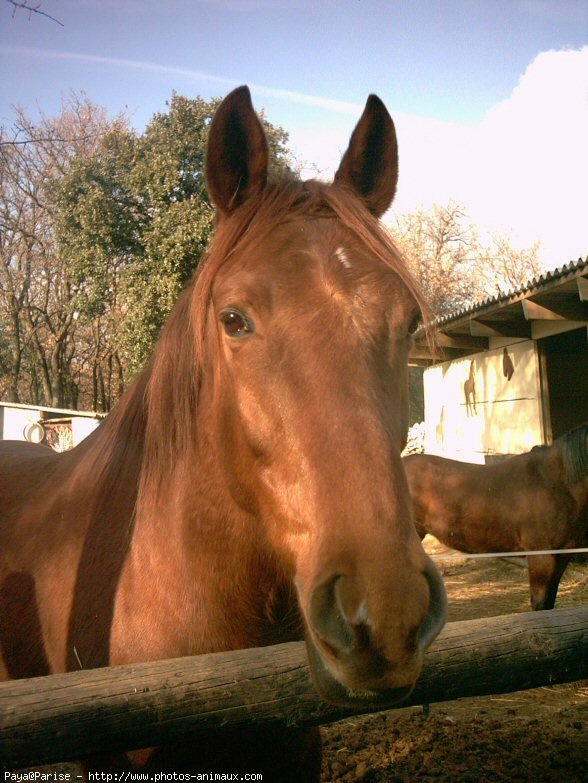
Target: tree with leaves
{"points": [[156, 220]]}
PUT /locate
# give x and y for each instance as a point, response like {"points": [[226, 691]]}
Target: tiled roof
{"points": [[571, 270]]}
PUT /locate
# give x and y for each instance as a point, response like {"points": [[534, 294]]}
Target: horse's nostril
{"points": [[437, 614], [328, 620]]}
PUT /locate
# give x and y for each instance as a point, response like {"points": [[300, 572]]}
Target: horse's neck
{"points": [[580, 492], [199, 576], [574, 454]]}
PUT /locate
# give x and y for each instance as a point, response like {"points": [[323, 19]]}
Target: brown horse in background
{"points": [[248, 488], [533, 501]]}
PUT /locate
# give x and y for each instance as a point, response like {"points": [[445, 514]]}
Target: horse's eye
{"points": [[235, 324]]}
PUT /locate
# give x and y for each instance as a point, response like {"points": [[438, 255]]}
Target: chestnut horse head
{"points": [[302, 320], [248, 488]]}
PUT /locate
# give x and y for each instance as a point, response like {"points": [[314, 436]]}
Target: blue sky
{"points": [[484, 92]]}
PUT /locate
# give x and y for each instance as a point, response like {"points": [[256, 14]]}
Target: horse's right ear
{"points": [[237, 156]]}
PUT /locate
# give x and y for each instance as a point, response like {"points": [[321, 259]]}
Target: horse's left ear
{"points": [[370, 165], [237, 153]]}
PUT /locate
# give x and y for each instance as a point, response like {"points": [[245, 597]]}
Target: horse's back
{"points": [[25, 471], [427, 473], [15, 453], [441, 473], [520, 503], [23, 465]]}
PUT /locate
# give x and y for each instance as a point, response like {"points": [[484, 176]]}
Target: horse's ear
{"points": [[237, 153], [370, 165]]}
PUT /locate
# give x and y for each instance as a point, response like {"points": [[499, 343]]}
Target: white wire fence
{"points": [[478, 555]]}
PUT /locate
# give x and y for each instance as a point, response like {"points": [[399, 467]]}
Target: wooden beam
{"points": [[479, 328], [420, 361], [564, 310], [582, 288], [419, 353], [68, 716], [449, 346], [462, 341]]}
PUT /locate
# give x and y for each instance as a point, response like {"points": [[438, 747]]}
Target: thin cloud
{"points": [[186, 73]]}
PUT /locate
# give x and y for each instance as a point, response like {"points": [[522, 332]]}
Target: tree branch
{"points": [[32, 10], [49, 139]]}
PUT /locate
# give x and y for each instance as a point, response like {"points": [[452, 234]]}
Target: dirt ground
{"points": [[539, 735]]}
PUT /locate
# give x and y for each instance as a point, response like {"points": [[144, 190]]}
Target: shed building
{"points": [[510, 372]]}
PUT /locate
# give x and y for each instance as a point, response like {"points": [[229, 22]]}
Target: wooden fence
{"points": [[66, 716]]}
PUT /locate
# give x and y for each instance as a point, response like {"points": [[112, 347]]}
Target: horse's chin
{"points": [[331, 690]]}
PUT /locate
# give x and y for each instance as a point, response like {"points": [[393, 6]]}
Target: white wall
{"points": [[507, 417], [15, 422], [81, 427]]}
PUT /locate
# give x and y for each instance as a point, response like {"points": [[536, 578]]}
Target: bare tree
{"points": [[37, 293], [503, 268], [440, 249], [454, 268]]}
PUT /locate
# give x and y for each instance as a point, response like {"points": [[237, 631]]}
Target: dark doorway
{"points": [[416, 395], [565, 359]]}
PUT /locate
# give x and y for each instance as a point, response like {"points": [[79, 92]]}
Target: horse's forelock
{"points": [[370, 233]]}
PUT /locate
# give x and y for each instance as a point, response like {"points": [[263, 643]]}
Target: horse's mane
{"points": [[574, 450], [111, 457], [165, 398]]}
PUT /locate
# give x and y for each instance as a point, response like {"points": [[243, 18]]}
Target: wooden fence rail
{"points": [[66, 716]]}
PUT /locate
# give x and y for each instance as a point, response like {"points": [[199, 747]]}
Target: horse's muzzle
{"points": [[349, 667], [437, 614]]}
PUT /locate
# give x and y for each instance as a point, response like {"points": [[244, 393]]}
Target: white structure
{"points": [[34, 423]]}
